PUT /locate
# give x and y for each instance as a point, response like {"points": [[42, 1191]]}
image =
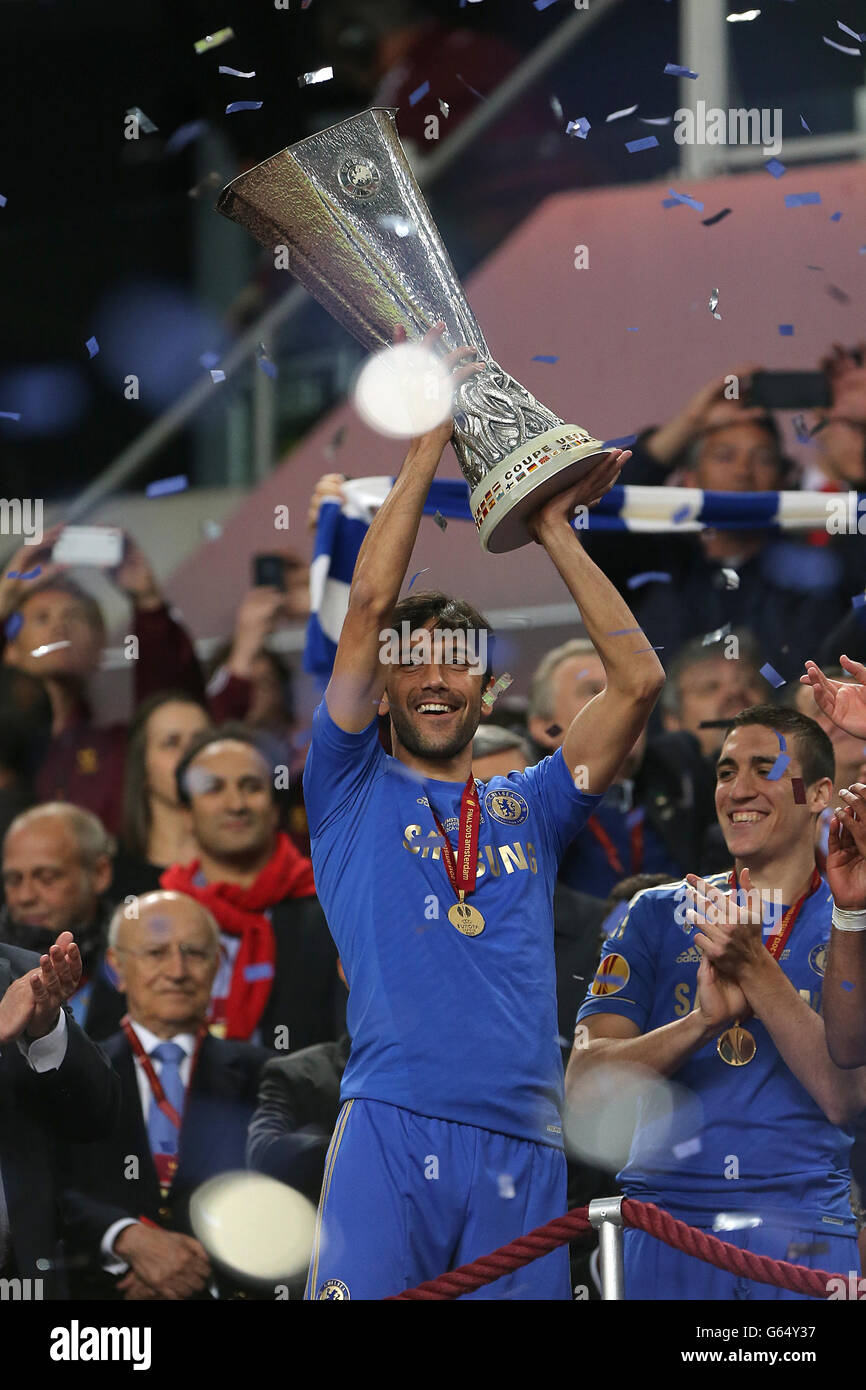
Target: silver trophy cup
{"points": [[360, 238]]}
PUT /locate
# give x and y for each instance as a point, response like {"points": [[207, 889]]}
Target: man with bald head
{"points": [[277, 981], [56, 876], [187, 1099]]}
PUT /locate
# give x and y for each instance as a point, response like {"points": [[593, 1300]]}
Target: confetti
{"points": [[208, 360], [214, 40], [268, 367], [684, 198], [308, 79], [3, 200], [717, 217], [417, 575], [632, 330], [475, 93], [541, 358], [235, 72], [13, 626], [19, 574], [334, 444], [846, 984], [778, 767], [446, 109], [440, 521], [497, 689], [731, 578], [209, 181], [217, 375], [10, 414], [852, 33], [655, 120], [234, 106], [855, 52], [166, 486], [801, 429], [184, 134], [553, 730], [687, 1148], [716, 635], [743, 17], [799, 790], [786, 330], [671, 203], [776, 168], [624, 441], [211, 530], [264, 970], [621, 631], [713, 301], [51, 646], [579, 128], [418, 94], [814, 267], [647, 142], [637, 581], [682, 514], [772, 675], [92, 347], [803, 124], [144, 122], [839, 295], [801, 200], [542, 4], [835, 217], [626, 111], [675, 70], [647, 649]]}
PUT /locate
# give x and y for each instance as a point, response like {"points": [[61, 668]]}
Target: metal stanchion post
{"points": [[605, 1214]]}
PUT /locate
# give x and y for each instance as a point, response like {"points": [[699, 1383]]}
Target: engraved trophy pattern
{"points": [[359, 235]]}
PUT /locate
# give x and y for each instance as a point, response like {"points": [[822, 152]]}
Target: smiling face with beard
{"points": [[435, 708]]}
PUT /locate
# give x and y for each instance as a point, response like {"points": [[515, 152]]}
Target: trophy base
{"points": [[522, 482]]}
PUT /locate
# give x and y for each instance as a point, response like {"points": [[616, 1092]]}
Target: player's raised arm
{"points": [[845, 979], [603, 733], [358, 677]]}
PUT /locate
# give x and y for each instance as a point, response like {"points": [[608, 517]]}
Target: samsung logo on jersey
{"points": [[498, 857]]}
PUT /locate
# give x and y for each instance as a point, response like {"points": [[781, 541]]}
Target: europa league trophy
{"points": [[361, 239]]}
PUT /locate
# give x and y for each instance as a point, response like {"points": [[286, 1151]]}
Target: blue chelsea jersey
{"points": [[455, 1027], [758, 1140]]}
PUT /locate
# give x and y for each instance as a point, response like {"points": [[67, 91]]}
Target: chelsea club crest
{"points": [[506, 806], [818, 957]]}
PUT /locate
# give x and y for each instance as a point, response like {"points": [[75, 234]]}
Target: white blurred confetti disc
{"points": [[255, 1227], [605, 1105], [403, 391]]}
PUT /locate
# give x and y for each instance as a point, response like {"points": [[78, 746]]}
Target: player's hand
{"points": [[843, 703], [846, 850], [720, 1001], [135, 577], [584, 493], [26, 559], [729, 935], [456, 361]]}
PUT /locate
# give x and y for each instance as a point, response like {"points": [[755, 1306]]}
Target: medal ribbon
{"points": [[611, 852], [462, 869], [153, 1080], [776, 943]]}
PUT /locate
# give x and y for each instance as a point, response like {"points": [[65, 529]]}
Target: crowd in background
{"points": [[178, 857]]}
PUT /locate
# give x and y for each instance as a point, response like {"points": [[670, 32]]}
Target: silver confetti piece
{"points": [[731, 578], [320, 75], [444, 107], [714, 299]]}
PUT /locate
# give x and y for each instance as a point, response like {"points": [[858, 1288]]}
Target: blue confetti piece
{"points": [[13, 626], [234, 106], [167, 1145], [92, 347], [675, 70], [209, 359], [782, 742], [637, 581], [684, 198], [165, 486], [419, 93], [648, 142], [778, 767], [30, 574], [235, 72], [2, 200], [263, 971], [632, 330], [841, 47], [10, 414], [217, 375], [542, 4], [579, 128], [268, 367], [846, 984], [835, 217], [776, 168], [671, 203], [621, 631], [858, 601], [853, 32], [803, 124], [184, 134], [541, 358], [801, 200], [623, 442], [772, 675], [684, 514], [786, 330], [417, 575]]}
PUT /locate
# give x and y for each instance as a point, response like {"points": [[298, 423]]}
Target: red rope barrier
{"points": [[641, 1216]]}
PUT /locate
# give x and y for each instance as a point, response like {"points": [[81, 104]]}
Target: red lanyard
{"points": [[776, 943], [635, 836], [462, 872], [153, 1080]]}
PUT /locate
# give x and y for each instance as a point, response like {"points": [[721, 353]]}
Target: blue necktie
{"points": [[163, 1135]]}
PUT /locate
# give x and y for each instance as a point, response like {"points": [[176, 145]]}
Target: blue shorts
{"points": [[654, 1270], [406, 1198]]}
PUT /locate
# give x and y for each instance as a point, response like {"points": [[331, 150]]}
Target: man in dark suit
{"points": [[187, 1098], [54, 1082]]}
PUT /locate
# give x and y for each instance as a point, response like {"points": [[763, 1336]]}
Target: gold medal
{"points": [[736, 1046], [466, 919]]}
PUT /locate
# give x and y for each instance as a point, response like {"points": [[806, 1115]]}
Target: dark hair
{"points": [[233, 733], [61, 584], [814, 748], [280, 668], [136, 803], [417, 609]]}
